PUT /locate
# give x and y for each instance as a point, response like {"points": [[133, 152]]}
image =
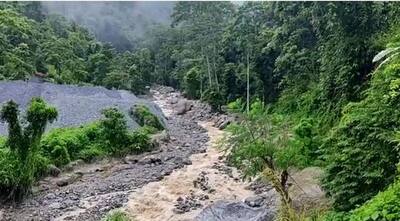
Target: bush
{"points": [[8, 172], [19, 167], [144, 117], [362, 150], [139, 140], [23, 147], [91, 153], [109, 136], [384, 206], [117, 215], [114, 130], [63, 144], [214, 97]]}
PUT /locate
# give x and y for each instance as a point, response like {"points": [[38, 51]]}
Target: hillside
{"points": [[77, 105]]}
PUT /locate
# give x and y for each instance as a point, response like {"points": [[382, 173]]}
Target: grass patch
{"points": [[117, 215]]}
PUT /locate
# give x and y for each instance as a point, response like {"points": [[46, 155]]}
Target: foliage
{"points": [[365, 136], [108, 137], [23, 143], [259, 144], [311, 63], [26, 156], [214, 98], [64, 51], [144, 117], [114, 129], [384, 206], [272, 142], [117, 215]]}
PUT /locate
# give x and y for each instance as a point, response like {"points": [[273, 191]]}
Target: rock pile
{"points": [[188, 203], [235, 211]]}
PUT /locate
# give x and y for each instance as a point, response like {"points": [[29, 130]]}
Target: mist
{"points": [[120, 23]]}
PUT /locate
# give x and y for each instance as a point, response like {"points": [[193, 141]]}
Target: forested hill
{"points": [[316, 83], [32, 42], [308, 71]]}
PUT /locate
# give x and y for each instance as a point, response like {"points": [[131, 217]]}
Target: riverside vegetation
{"points": [[28, 153], [312, 84]]}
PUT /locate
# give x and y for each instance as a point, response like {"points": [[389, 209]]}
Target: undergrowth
{"points": [[117, 215]]}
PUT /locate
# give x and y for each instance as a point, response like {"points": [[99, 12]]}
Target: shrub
{"points": [[362, 150], [8, 172], [23, 142], [144, 117], [214, 97], [114, 129], [3, 141], [92, 152], [63, 144], [109, 136], [117, 215], [384, 206], [139, 141]]}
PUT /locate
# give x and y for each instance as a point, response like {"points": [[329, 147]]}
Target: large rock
{"points": [[183, 106], [76, 105], [235, 211], [223, 121]]}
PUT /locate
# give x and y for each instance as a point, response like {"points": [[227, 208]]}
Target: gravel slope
{"points": [[76, 104]]}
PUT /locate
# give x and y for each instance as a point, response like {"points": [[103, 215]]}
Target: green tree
{"points": [[24, 141]]}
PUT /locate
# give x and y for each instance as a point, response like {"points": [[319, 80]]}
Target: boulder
{"points": [[150, 160], [173, 100], [222, 121], [157, 139], [235, 211], [53, 170], [73, 165], [64, 181], [182, 107], [254, 201]]}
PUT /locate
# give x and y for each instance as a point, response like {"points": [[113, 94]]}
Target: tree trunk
{"points": [[248, 85], [215, 71], [208, 70]]}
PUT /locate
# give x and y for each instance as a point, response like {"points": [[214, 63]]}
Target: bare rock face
{"points": [[235, 211]]}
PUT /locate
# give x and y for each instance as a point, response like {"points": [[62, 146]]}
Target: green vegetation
{"points": [[108, 137], [314, 93], [144, 117], [64, 51], [21, 158], [312, 84], [117, 215], [27, 154], [383, 206]]}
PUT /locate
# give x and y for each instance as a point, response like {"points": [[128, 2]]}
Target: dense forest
{"points": [[313, 83]]}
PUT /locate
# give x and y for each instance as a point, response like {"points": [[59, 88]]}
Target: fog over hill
{"points": [[117, 22]]}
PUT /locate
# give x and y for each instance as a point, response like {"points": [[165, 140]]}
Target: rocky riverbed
{"points": [[88, 192], [184, 178]]}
